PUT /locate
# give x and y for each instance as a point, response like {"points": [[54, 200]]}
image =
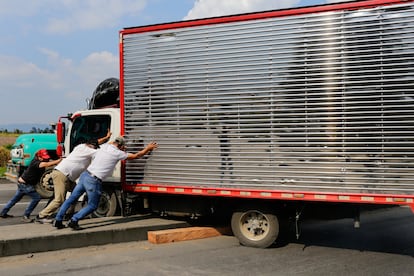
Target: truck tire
{"points": [[255, 228], [45, 185], [107, 205]]}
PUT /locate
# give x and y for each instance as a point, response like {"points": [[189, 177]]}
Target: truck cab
{"points": [[88, 124], [79, 128]]}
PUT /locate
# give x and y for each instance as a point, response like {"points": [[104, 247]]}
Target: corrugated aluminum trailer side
{"points": [[312, 104]]}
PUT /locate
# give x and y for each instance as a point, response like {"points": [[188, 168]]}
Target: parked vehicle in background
{"points": [[23, 152], [265, 118]]}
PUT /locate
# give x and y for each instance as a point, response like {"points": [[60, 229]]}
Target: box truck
{"points": [[266, 117]]}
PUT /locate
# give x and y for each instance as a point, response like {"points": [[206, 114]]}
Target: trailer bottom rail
{"points": [[382, 199]]}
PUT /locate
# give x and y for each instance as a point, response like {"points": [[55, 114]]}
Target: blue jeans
{"points": [[93, 189], [23, 190]]}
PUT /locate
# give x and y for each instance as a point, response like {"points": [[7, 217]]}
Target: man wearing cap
{"points": [[104, 162], [65, 174], [26, 184]]}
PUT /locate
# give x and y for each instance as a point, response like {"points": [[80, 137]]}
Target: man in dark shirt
{"points": [[26, 184]]}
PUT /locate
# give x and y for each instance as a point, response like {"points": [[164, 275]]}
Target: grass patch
{"points": [[2, 171], [6, 142]]}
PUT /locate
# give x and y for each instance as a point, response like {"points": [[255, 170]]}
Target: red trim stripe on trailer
{"points": [[266, 14], [273, 194], [121, 85]]}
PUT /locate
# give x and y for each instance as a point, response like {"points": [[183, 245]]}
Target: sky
{"points": [[53, 54]]}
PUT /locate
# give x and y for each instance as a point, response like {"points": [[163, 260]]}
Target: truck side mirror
{"points": [[60, 132]]}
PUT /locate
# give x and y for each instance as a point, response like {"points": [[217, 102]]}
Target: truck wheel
{"points": [[255, 228], [45, 186], [107, 205]]}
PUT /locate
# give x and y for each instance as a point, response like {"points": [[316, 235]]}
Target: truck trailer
{"points": [[266, 117]]}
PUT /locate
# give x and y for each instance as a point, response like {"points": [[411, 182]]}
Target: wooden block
{"points": [[185, 234]]}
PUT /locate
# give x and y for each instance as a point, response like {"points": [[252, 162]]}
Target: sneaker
{"points": [[6, 216], [43, 220], [74, 225], [27, 219], [58, 224]]}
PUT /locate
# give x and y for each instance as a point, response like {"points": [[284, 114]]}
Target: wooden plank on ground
{"points": [[184, 234]]}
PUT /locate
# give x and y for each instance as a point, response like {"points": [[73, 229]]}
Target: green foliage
{"points": [[6, 143], [4, 156], [33, 130], [8, 146]]}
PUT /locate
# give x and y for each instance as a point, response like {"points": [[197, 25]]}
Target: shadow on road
{"points": [[389, 230]]}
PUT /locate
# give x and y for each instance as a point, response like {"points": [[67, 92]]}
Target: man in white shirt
{"points": [[65, 174], [90, 180]]}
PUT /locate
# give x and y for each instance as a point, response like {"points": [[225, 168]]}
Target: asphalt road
{"points": [[324, 249], [384, 245]]}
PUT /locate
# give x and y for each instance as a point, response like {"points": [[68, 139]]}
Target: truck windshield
{"points": [[88, 127]]}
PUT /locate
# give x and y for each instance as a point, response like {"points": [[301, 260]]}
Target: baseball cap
{"points": [[42, 153], [120, 140]]}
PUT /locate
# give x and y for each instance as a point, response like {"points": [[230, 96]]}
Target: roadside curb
{"points": [[34, 237]]}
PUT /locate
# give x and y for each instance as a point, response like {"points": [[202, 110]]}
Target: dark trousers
{"points": [[22, 190]]}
